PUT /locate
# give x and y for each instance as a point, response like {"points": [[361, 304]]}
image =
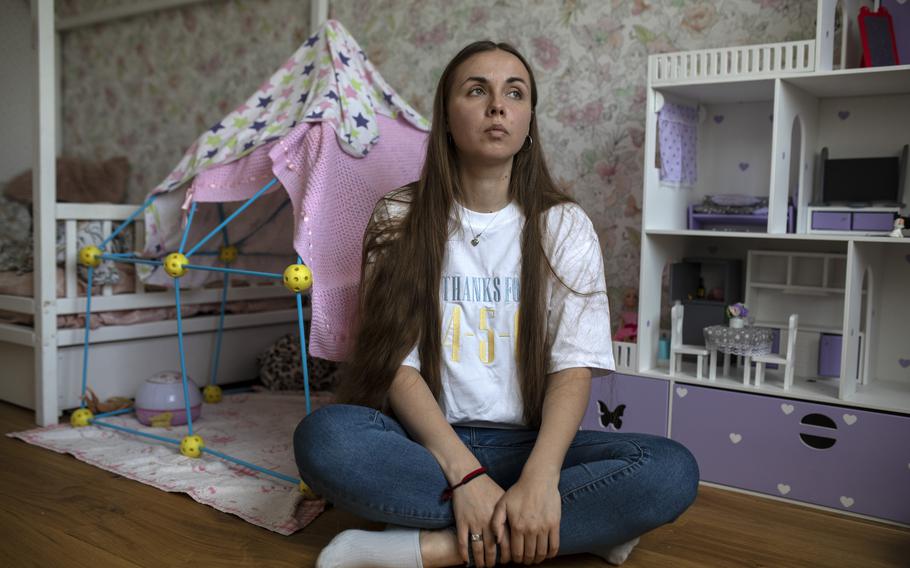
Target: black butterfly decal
{"points": [[607, 417]]}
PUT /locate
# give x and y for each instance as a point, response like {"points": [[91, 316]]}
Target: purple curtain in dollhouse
{"points": [[678, 136]]}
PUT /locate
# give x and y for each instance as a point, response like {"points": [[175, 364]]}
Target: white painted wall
{"points": [[17, 89]]}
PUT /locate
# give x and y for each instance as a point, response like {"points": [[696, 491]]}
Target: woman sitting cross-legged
{"points": [[483, 314]]}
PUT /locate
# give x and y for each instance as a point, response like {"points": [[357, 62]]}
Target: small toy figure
{"points": [[629, 330], [898, 228]]}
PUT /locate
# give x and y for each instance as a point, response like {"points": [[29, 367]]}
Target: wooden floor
{"points": [[57, 511]]}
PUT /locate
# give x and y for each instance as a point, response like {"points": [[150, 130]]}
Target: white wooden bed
{"points": [[40, 365], [122, 356]]}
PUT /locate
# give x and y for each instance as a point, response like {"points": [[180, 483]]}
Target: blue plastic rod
{"points": [[281, 254], [128, 220], [115, 412], [133, 260], [224, 456], [189, 223], [301, 325], [136, 432], [231, 218], [217, 356], [235, 271], [88, 327], [186, 390], [215, 453]]}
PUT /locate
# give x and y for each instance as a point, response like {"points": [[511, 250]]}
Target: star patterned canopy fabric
{"points": [[328, 79]]}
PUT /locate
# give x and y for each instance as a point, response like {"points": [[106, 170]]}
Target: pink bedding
{"points": [[16, 284], [145, 315]]}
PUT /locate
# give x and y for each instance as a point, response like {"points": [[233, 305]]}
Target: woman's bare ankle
{"points": [[439, 548]]}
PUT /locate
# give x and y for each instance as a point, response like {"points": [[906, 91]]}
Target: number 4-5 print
{"points": [[486, 348]]}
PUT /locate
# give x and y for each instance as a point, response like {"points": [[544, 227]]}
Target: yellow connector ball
{"points": [[191, 446], [81, 417], [90, 256], [211, 394], [308, 494], [175, 264], [298, 278], [227, 254]]}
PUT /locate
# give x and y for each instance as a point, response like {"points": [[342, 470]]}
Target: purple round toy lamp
{"points": [[160, 401]]}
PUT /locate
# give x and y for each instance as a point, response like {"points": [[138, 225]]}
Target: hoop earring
{"points": [[530, 143]]}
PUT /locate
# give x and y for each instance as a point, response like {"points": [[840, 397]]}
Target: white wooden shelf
{"points": [[858, 237], [881, 395], [851, 284], [800, 290], [865, 82], [806, 328], [743, 90]]}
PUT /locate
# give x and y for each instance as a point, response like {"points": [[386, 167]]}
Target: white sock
{"points": [[392, 548], [619, 553]]}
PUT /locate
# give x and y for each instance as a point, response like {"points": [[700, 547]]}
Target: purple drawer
{"points": [[834, 220], [832, 456], [626, 403], [873, 221]]}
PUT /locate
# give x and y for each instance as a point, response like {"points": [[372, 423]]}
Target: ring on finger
{"points": [[475, 537]]}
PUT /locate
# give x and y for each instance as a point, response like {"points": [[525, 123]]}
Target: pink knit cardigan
{"points": [[333, 195]]}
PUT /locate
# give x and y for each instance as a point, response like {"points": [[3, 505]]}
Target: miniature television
{"points": [[862, 181]]}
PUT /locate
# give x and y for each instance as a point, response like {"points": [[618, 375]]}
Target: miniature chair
{"points": [[678, 348], [786, 361]]}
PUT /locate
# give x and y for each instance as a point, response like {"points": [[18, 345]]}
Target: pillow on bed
{"points": [[92, 233], [15, 237], [16, 244], [79, 181]]}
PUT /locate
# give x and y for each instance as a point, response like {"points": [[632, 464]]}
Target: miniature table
{"points": [[743, 341]]}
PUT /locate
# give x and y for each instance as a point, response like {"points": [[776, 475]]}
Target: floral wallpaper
{"points": [[174, 73], [590, 62], [147, 86]]}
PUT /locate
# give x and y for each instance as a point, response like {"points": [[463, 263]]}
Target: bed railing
{"points": [[71, 302], [70, 214]]}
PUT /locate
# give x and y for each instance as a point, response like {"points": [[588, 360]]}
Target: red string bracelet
{"points": [[449, 491]]}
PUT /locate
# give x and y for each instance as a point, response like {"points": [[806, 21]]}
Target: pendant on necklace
{"points": [[474, 241]]}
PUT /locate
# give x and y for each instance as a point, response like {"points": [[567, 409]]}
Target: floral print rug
{"points": [[254, 427]]}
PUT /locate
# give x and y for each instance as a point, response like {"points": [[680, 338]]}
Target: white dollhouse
{"points": [[838, 439]]}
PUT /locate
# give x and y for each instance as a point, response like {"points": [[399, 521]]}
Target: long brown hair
{"points": [[403, 259]]}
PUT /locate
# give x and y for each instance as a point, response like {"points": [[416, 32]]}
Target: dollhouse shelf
{"points": [[764, 115], [870, 81], [807, 237]]}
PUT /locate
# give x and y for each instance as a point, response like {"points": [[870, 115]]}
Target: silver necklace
{"points": [[476, 240]]}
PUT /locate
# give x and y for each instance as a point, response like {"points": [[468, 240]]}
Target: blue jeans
{"points": [[614, 486]]}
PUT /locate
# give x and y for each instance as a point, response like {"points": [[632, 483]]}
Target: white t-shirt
{"points": [[480, 292]]}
